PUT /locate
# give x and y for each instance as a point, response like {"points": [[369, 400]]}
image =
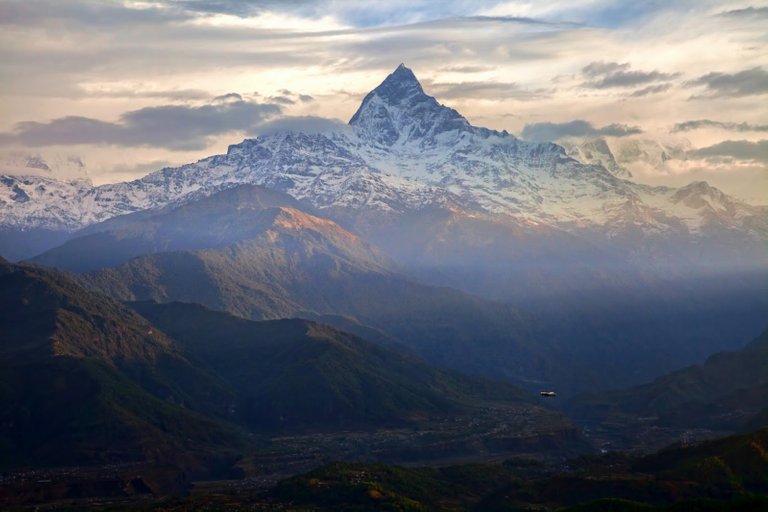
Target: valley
{"points": [[727, 474]]}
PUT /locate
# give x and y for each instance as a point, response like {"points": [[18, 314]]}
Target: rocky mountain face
{"points": [[261, 254], [404, 152]]}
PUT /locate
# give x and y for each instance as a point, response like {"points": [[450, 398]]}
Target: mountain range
{"points": [[365, 225], [261, 255], [404, 152]]}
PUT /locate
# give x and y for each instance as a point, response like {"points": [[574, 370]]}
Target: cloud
{"points": [[736, 149], [543, 132], [484, 90], [174, 127], [140, 169], [598, 69], [368, 14], [283, 100], [240, 8], [168, 94], [605, 75], [31, 12], [232, 96], [744, 83], [631, 79], [303, 124], [288, 97], [466, 69], [651, 89], [358, 14], [616, 13], [175, 49], [708, 123], [747, 12]]}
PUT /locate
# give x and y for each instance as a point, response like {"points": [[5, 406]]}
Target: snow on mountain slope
{"points": [[653, 153], [402, 151], [622, 156], [41, 202], [63, 167], [594, 151]]}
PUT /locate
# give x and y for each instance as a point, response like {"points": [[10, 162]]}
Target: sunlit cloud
{"points": [[175, 127], [542, 132], [736, 149], [604, 75], [708, 123], [743, 83]]}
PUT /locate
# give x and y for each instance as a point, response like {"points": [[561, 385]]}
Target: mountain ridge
{"points": [[260, 254], [404, 152], [224, 218]]}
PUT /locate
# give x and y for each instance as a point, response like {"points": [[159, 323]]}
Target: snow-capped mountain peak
{"points": [[399, 112], [399, 87]]}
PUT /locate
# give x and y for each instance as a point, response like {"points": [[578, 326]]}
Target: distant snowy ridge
{"points": [[403, 151]]}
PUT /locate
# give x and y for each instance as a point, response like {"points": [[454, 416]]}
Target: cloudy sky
{"points": [[131, 86]]}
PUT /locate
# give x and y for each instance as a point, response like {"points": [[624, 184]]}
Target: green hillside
{"points": [[726, 392], [85, 380], [299, 374]]}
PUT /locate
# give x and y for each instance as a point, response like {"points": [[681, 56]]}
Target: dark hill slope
{"points": [[723, 393], [298, 374], [85, 380], [293, 277]]}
